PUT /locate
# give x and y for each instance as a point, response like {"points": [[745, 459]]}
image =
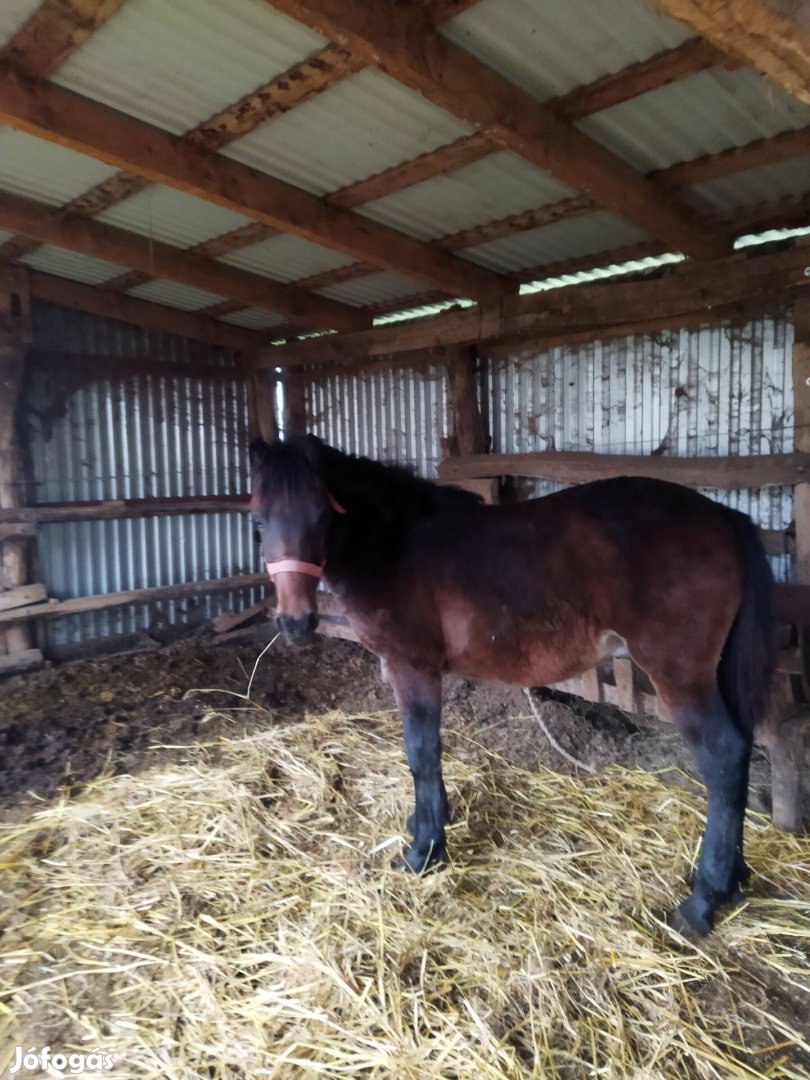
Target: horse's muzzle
{"points": [[297, 630]]}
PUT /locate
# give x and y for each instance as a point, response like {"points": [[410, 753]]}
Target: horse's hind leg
{"points": [[419, 697], [723, 753]]}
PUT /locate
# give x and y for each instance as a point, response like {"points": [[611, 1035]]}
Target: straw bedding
{"points": [[237, 917]]}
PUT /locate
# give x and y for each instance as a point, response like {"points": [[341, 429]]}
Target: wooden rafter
{"points": [[55, 30], [404, 44], [58, 115], [71, 294], [788, 144], [699, 287], [773, 35], [144, 254], [285, 92], [641, 78]]}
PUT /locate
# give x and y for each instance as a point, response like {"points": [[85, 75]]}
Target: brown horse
{"points": [[532, 594]]}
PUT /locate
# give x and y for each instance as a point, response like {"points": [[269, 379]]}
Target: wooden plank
{"points": [[229, 620], [104, 601], [125, 508], [58, 115], [144, 314], [293, 87], [462, 390], [527, 219], [801, 421], [446, 159], [18, 530], [487, 489], [788, 144], [21, 596], [576, 467], [263, 397], [19, 662], [403, 43], [53, 33], [625, 683], [146, 254], [593, 308], [641, 78], [774, 36]]}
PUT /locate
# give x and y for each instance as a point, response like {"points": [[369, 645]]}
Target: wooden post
{"points": [[262, 404], [783, 732], [15, 336], [468, 426], [295, 404]]}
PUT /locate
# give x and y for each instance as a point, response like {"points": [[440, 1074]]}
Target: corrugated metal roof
{"points": [[356, 129], [175, 64], [548, 47], [69, 264], [172, 293], [487, 190], [173, 217], [13, 13], [767, 184], [373, 289], [46, 171], [569, 239], [287, 258], [703, 114], [254, 319]]}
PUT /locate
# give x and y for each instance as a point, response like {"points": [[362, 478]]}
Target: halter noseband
{"points": [[295, 566], [286, 565]]}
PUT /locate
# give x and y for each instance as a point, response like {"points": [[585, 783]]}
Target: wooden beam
{"points": [[404, 44], [58, 115], [104, 601], [575, 467], [295, 405], [296, 85], [528, 219], [262, 389], [233, 241], [21, 595], [143, 313], [773, 35], [788, 144], [641, 78], [117, 509], [153, 257], [97, 365], [462, 391], [18, 662], [53, 33], [700, 287], [801, 421], [446, 159]]}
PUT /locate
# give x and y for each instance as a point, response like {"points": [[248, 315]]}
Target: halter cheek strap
{"points": [[294, 566]]}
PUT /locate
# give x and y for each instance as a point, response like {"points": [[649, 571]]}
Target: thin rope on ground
{"points": [[544, 728]]}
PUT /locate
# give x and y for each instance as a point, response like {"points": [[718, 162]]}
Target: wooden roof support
{"points": [[404, 44], [773, 35], [55, 30], [58, 115], [70, 294], [144, 254], [788, 144], [696, 287]]}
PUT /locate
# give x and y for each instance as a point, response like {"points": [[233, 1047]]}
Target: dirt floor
{"points": [[127, 712]]}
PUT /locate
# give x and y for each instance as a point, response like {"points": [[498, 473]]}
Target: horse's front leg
{"points": [[419, 697]]}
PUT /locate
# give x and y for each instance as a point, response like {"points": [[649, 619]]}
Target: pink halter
{"points": [[296, 566]]}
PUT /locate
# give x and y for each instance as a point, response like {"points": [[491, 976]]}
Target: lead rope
{"points": [[551, 739]]}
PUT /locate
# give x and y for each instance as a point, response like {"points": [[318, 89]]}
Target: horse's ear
{"points": [[312, 446], [258, 451]]}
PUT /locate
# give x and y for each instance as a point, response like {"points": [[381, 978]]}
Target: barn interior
{"points": [[512, 244]]}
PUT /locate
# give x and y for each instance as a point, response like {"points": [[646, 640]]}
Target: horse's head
{"points": [[292, 510]]}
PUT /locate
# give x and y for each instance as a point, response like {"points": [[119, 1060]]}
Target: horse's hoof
{"points": [[687, 921], [421, 860]]}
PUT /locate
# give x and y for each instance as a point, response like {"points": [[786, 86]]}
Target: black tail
{"points": [[747, 664]]}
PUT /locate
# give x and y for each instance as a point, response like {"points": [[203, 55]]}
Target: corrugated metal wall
{"points": [[135, 437], [392, 414], [715, 390]]}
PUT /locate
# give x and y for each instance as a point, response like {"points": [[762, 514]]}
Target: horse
{"points": [[531, 594]]}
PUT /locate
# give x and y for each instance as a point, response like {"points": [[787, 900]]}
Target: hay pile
{"points": [[238, 918]]}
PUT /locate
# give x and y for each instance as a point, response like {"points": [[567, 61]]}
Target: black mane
{"points": [[382, 501]]}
